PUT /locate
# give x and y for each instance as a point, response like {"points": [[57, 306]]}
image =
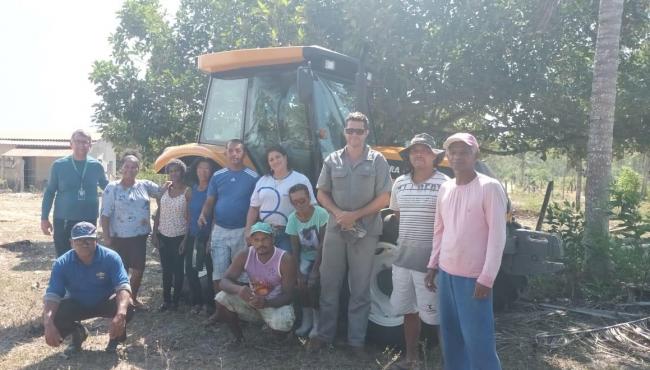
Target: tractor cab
{"points": [[297, 97]]}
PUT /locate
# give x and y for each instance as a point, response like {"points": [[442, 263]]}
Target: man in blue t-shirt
{"points": [[229, 194], [72, 188], [86, 282]]}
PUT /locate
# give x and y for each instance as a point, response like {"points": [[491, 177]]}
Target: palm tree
{"points": [[601, 127]]}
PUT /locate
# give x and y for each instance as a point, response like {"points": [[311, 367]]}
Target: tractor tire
{"points": [[384, 328]]}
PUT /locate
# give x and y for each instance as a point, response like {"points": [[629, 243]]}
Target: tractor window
{"points": [[337, 99], [275, 116], [224, 111]]}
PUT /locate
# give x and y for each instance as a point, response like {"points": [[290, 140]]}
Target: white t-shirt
{"points": [[416, 204], [272, 196]]}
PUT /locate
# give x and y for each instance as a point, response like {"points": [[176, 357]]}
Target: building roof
{"points": [[31, 152], [53, 144], [40, 135]]}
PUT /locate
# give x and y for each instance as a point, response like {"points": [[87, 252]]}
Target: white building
{"points": [[26, 157]]}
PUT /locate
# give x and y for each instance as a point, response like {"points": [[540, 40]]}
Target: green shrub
{"points": [[150, 174], [628, 248], [566, 221]]}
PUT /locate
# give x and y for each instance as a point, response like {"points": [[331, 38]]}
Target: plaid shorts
{"points": [[224, 246]]}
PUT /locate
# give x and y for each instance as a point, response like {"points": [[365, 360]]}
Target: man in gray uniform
{"points": [[353, 186]]}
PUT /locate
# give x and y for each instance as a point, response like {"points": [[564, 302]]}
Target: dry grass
{"points": [[179, 340]]}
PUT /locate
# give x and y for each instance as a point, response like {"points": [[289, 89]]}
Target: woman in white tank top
{"points": [[170, 228]]}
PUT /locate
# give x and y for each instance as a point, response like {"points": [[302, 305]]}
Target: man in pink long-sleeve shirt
{"points": [[468, 241]]}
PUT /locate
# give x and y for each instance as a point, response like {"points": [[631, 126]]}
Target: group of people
{"points": [[269, 246]]}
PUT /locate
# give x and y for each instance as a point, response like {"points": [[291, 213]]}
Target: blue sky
{"points": [[48, 48]]}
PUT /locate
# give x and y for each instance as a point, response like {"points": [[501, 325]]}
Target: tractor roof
{"points": [[234, 60]]}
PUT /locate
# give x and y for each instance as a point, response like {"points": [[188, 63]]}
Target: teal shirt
{"points": [[63, 189], [307, 232]]}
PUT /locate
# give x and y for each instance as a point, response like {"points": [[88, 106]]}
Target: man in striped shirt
{"points": [[413, 199]]}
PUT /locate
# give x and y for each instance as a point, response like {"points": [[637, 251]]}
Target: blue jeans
{"points": [[466, 325]]}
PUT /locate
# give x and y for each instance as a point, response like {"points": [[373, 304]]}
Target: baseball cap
{"points": [[464, 137], [424, 139], [261, 227], [83, 230]]}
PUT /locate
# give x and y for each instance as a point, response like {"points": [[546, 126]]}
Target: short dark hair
{"points": [[357, 116], [176, 162], [195, 164], [235, 141], [298, 187], [276, 148]]}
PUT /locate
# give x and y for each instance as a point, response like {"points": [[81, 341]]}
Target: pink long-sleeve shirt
{"points": [[470, 229]]}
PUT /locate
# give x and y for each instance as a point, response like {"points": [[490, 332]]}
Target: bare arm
{"points": [[325, 199], [251, 217], [315, 271], [347, 218], [207, 207], [156, 222], [118, 324], [52, 336], [288, 273], [295, 247], [188, 199], [106, 229]]}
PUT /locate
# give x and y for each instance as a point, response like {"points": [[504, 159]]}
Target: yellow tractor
{"points": [[298, 97]]}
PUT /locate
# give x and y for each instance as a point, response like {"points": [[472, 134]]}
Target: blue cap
{"points": [[261, 227], [83, 230]]}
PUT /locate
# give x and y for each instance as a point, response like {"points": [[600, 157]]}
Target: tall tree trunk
{"points": [[522, 172], [646, 172], [579, 172], [599, 145]]}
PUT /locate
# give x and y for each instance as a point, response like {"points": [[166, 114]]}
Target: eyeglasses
{"points": [[355, 131]]}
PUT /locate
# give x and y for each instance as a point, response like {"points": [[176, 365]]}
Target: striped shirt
{"points": [[416, 204]]}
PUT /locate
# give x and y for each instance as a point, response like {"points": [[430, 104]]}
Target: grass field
{"points": [[180, 341]]}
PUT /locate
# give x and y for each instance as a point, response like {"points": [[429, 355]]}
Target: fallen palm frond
{"points": [[631, 337]]}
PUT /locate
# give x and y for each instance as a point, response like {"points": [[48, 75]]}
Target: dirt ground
{"points": [[179, 340]]}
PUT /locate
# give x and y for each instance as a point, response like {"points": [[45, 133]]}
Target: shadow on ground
{"points": [[33, 256], [180, 340]]}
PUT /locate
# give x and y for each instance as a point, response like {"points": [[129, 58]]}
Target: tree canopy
{"points": [[517, 73]]}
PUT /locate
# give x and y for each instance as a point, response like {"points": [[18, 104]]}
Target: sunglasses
{"points": [[355, 131]]}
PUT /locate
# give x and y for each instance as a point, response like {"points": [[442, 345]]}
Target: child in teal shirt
{"points": [[306, 227]]}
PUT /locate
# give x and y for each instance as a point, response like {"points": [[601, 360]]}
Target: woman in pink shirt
{"points": [[468, 241]]}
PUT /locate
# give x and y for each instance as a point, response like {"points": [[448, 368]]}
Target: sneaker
{"points": [[79, 335]]}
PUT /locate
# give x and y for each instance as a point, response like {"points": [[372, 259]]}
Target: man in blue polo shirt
{"points": [[229, 192], [86, 282], [72, 188]]}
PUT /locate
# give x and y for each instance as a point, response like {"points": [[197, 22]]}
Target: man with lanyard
{"points": [[353, 186], [72, 188]]}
